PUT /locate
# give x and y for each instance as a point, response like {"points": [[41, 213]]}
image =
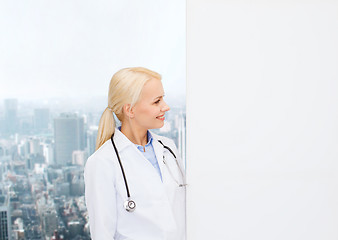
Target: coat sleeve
{"points": [[100, 197]]}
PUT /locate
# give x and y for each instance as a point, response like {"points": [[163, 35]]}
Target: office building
{"points": [[10, 117], [68, 136], [5, 218], [41, 119]]}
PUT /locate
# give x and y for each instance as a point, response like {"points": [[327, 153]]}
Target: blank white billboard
{"points": [[262, 120]]}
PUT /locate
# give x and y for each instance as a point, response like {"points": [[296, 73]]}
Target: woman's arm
{"points": [[100, 196]]}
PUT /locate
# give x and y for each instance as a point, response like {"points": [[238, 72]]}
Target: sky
{"points": [[72, 48]]}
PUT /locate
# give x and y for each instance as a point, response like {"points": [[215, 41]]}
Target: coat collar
{"points": [[121, 141]]}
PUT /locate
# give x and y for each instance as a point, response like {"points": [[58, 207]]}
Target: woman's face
{"points": [[149, 110]]}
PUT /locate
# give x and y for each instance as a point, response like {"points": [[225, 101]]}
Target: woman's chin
{"points": [[159, 125]]}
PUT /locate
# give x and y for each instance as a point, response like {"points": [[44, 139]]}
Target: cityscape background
{"points": [[56, 61], [43, 150]]}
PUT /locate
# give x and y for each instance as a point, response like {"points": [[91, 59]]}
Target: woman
{"points": [[134, 181]]}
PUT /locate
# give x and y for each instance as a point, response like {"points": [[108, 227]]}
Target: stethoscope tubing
{"points": [[168, 148], [180, 185], [130, 204], [124, 176]]}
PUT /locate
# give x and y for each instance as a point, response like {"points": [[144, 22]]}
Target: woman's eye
{"points": [[157, 101]]}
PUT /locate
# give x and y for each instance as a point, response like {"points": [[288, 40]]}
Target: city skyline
{"points": [[58, 58], [42, 159]]}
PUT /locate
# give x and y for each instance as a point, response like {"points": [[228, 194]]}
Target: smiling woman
{"points": [[136, 97], [134, 182]]}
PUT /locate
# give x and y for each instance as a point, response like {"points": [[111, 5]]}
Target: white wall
{"points": [[262, 120]]}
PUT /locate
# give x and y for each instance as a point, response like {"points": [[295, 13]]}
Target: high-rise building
{"points": [[91, 139], [41, 119], [35, 146], [5, 218], [77, 186], [10, 117], [68, 136], [48, 153], [79, 158], [50, 221], [48, 214]]}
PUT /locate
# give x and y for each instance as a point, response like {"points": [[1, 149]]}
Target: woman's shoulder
{"points": [[103, 150], [102, 157]]}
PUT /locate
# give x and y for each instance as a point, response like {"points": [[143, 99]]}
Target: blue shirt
{"points": [[148, 152]]}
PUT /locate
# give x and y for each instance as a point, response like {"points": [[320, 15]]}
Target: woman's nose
{"points": [[165, 107]]}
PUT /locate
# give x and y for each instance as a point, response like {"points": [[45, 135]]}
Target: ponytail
{"points": [[106, 127]]}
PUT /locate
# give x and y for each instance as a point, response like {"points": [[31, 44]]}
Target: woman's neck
{"points": [[134, 134]]}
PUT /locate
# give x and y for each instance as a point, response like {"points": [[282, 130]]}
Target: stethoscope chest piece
{"points": [[129, 205]]}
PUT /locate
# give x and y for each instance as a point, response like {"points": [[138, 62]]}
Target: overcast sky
{"points": [[71, 48]]}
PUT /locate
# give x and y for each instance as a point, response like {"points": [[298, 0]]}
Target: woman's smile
{"points": [[161, 117]]}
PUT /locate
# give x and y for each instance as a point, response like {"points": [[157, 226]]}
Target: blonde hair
{"points": [[125, 87]]}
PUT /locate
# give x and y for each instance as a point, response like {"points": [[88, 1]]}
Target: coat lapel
{"points": [[159, 150], [168, 182]]}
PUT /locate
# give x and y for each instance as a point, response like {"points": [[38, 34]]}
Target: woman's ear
{"points": [[128, 110]]}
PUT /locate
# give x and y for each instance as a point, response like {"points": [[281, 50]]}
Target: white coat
{"points": [[160, 206]]}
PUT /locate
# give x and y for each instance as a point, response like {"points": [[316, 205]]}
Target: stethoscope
{"points": [[129, 204]]}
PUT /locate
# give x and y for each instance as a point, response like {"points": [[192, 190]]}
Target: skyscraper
{"points": [[5, 218], [68, 136], [91, 139], [41, 119], [10, 117]]}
